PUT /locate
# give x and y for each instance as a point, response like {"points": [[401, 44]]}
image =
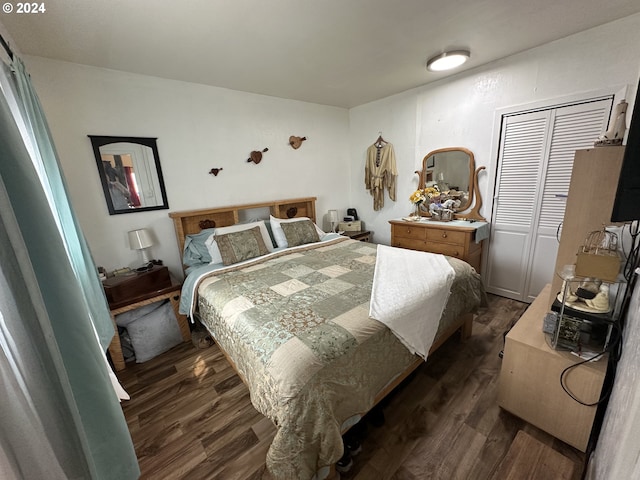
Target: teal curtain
{"points": [[61, 417], [53, 181]]}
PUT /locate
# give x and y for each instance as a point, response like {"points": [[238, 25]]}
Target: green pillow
{"points": [[299, 233], [243, 245]]}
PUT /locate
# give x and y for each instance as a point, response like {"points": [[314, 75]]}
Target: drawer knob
{"points": [[444, 234]]}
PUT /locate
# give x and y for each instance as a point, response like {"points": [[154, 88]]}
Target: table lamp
{"points": [[142, 240], [333, 219]]}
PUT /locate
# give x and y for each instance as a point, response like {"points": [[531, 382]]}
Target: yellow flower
{"points": [[417, 197], [431, 192]]}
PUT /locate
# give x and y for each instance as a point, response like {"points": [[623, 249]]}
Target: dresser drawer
{"points": [[446, 249], [410, 243], [441, 235], [409, 232], [434, 237]]}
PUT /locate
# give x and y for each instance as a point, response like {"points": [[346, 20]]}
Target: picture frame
{"points": [[130, 173]]}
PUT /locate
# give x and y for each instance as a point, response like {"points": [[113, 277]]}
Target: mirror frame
{"points": [[98, 141], [471, 209]]}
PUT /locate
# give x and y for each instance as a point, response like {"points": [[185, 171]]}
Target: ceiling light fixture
{"points": [[448, 60]]}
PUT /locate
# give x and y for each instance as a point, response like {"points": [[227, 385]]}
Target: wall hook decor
{"points": [[215, 171], [295, 142], [256, 156]]}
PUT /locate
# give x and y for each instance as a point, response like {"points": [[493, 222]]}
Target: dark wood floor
{"points": [[190, 416]]}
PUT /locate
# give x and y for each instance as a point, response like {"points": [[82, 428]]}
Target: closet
{"points": [[535, 161]]}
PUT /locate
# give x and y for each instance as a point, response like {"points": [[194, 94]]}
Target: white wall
{"points": [[198, 128], [461, 110], [617, 453]]}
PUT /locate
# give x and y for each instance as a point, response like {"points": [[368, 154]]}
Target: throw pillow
{"points": [[300, 233], [243, 245]]}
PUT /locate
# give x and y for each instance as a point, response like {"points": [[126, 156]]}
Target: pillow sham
{"points": [[195, 251], [300, 233], [278, 233], [212, 246], [243, 245]]}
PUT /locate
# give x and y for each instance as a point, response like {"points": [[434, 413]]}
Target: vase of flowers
{"points": [[427, 195], [417, 198]]}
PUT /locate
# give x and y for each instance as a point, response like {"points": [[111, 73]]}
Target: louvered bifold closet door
{"points": [[535, 164], [573, 128], [523, 146]]}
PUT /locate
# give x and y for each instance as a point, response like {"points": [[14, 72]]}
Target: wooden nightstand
{"points": [[362, 235], [131, 292]]}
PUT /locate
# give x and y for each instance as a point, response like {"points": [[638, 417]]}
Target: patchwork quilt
{"points": [[296, 325]]}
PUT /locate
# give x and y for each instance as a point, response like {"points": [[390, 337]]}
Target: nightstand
{"points": [[362, 235], [130, 292]]}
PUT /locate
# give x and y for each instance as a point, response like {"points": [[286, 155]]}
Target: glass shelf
{"points": [[586, 310]]}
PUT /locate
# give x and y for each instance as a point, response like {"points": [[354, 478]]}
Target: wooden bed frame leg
{"points": [[467, 327]]}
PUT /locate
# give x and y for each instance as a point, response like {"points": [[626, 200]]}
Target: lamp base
{"points": [[145, 253]]}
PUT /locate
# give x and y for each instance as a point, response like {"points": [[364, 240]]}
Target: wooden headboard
{"points": [[192, 221]]}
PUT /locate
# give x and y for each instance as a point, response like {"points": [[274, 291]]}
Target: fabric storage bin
{"points": [[152, 329], [352, 226]]}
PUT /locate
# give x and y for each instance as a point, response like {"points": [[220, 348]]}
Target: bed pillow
{"points": [[238, 246], [195, 251], [270, 230], [212, 246], [300, 233], [278, 233], [153, 329]]}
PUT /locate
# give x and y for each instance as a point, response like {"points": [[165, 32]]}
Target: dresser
{"points": [[459, 238], [530, 385]]}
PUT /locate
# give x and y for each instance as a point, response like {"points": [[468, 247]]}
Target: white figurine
{"points": [[618, 123]]}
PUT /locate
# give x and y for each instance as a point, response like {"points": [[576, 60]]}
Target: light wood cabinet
{"points": [[530, 380], [451, 239], [592, 190]]}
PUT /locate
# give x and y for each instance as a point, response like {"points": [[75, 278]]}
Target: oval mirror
{"points": [[453, 170], [130, 173]]}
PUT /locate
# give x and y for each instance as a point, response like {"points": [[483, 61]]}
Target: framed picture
{"points": [[431, 161]]}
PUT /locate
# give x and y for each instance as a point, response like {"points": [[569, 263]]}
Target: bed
{"points": [[294, 323]]}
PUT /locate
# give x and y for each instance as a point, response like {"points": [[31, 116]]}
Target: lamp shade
{"points": [[139, 239]]}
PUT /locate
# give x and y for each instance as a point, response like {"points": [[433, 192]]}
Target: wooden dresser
{"points": [[530, 385], [455, 239]]}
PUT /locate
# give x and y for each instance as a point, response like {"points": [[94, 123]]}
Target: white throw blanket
{"points": [[409, 293]]}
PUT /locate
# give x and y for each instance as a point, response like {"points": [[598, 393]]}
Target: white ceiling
{"points": [[334, 52]]}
